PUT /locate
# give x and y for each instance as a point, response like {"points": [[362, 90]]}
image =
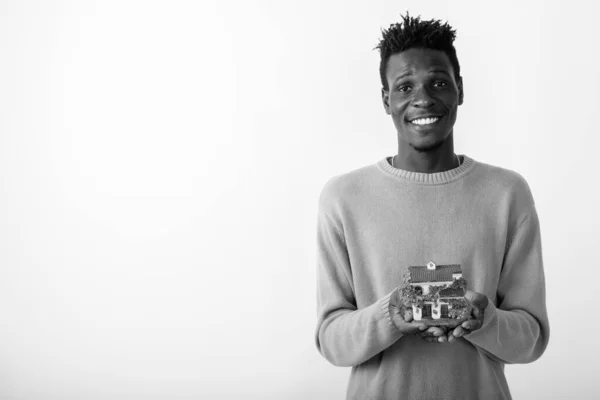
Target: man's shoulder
{"points": [[347, 185], [503, 181], [507, 178]]}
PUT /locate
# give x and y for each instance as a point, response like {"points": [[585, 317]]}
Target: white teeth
{"points": [[424, 121]]}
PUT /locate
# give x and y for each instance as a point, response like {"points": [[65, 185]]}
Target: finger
{"points": [[458, 331], [407, 314], [397, 318], [451, 337], [432, 331], [442, 339], [397, 313], [409, 327], [415, 327], [477, 313], [394, 312], [437, 331], [478, 300], [472, 324], [403, 325]]}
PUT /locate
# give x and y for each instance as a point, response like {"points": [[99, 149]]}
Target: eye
{"points": [[440, 84], [403, 88]]}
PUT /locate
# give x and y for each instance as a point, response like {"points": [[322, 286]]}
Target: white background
{"points": [[160, 163]]}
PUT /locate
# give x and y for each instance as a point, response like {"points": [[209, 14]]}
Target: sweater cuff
{"points": [[385, 309]]}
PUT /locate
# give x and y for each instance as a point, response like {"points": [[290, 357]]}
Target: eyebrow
{"points": [[439, 71], [432, 71]]}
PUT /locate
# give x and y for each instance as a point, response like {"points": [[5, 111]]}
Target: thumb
{"points": [[478, 300]]}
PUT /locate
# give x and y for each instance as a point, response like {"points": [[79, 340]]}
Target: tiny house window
{"points": [[444, 309]]}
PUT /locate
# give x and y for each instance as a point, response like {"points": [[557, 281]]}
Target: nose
{"points": [[422, 99]]}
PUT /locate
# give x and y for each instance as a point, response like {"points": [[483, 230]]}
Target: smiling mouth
{"points": [[425, 121]]}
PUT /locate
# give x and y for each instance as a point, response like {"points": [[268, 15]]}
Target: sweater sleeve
{"points": [[516, 329], [345, 335]]}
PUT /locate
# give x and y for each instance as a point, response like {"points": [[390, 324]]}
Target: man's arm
{"points": [[346, 336], [517, 329]]}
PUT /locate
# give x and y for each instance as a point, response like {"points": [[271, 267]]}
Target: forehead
{"points": [[415, 61]]}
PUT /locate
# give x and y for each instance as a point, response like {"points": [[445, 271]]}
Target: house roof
{"points": [[441, 273]]}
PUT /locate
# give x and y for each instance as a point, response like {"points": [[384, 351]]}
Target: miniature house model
{"points": [[435, 278]]}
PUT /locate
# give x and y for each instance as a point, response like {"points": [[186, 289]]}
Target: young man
{"points": [[427, 204]]}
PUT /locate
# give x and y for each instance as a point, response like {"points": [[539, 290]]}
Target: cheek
{"points": [[398, 107], [451, 117], [451, 107]]}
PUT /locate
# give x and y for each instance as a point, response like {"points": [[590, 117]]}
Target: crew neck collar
{"points": [[436, 178]]}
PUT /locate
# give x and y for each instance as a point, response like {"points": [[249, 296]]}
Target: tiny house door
{"points": [[426, 312]]}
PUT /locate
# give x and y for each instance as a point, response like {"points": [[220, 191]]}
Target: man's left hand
{"points": [[479, 302]]}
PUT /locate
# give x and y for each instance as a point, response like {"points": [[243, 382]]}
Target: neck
{"points": [[437, 160]]}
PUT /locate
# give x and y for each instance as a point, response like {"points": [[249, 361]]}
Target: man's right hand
{"points": [[403, 319], [402, 316]]}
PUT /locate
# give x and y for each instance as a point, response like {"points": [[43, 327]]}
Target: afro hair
{"points": [[412, 32]]}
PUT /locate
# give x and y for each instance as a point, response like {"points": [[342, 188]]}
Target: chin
{"points": [[427, 147], [429, 142]]}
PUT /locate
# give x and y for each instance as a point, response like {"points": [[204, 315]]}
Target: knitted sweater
{"points": [[376, 221]]}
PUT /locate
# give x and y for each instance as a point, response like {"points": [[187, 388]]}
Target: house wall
{"points": [[416, 313], [436, 310]]}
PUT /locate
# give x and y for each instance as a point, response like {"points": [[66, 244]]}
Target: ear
{"points": [[461, 91], [385, 97]]}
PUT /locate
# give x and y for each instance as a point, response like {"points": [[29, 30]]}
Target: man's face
{"points": [[421, 84]]}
